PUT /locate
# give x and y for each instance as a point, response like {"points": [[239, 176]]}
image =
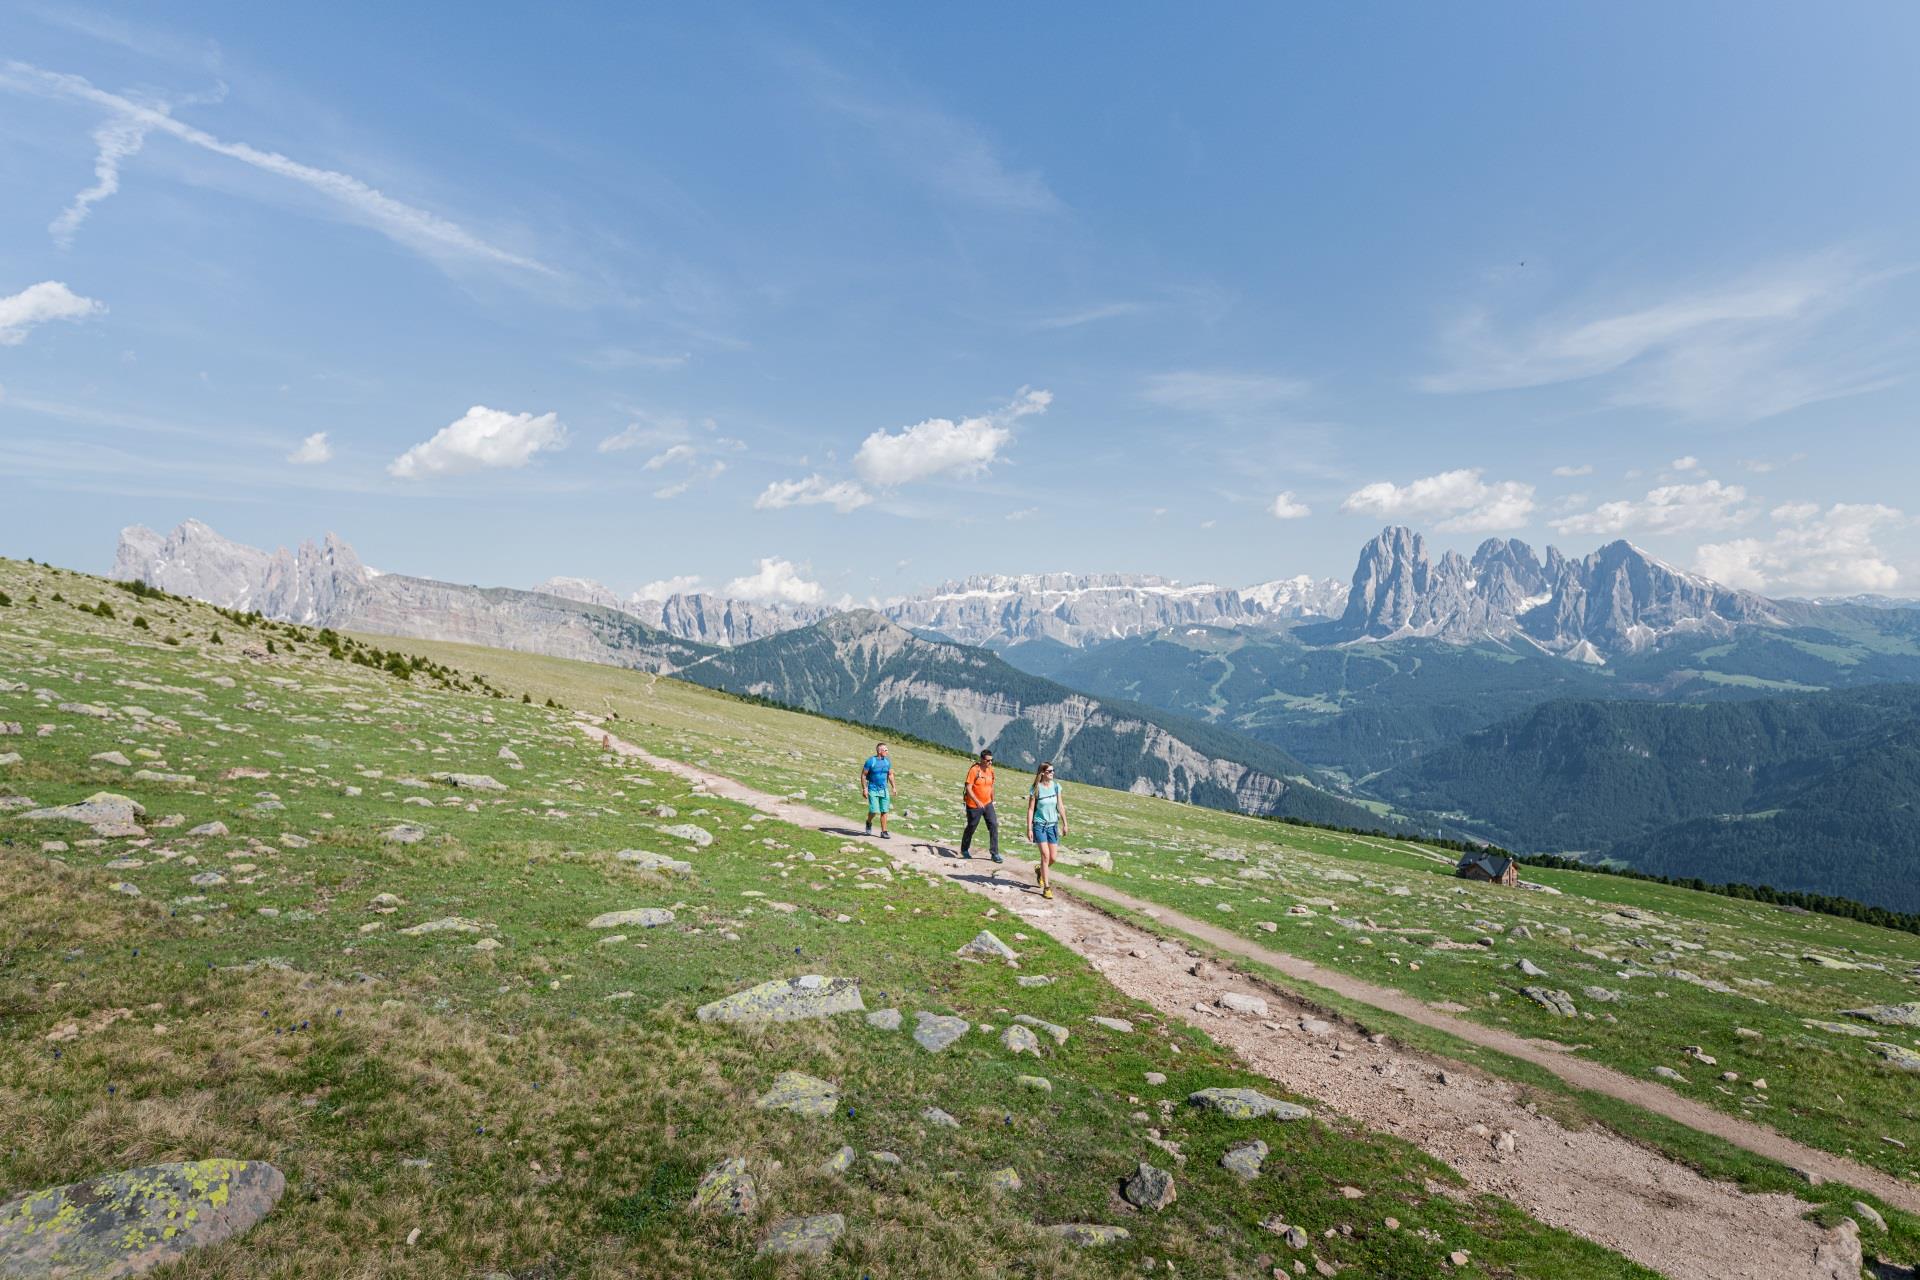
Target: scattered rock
{"points": [[938, 1118], [111, 757], [641, 860], [727, 1188], [1149, 1188], [1039, 1084], [808, 1235], [1902, 1058], [1555, 1001], [1035, 980], [1246, 1104], [1244, 1158], [127, 1223], [1003, 1180], [405, 833], [936, 1031], [1240, 1003], [470, 781], [1529, 968], [786, 1000], [985, 944], [884, 1019], [698, 836], [645, 917], [101, 809], [1837, 1257], [1861, 1209], [839, 1162], [1054, 1029], [1020, 1039], [1112, 1024], [1889, 1015], [802, 1094], [446, 924]]}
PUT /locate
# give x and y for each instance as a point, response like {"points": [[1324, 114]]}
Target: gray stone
{"points": [[698, 836], [1149, 1188], [1902, 1058], [405, 833], [1862, 1209], [884, 1019], [1555, 1001], [1112, 1024], [808, 1235], [101, 809], [1087, 1234], [1239, 1002], [839, 1162], [1039, 1084], [786, 1000], [1035, 980], [154, 775], [1529, 968], [470, 781], [936, 1031], [1889, 1015], [727, 1188], [1837, 1256], [645, 917], [111, 757], [802, 1094], [1601, 995], [938, 1118], [641, 860], [446, 924], [126, 1224], [209, 829], [1054, 1029], [1246, 1104], [984, 944], [1020, 1039], [1668, 1073], [1003, 1180], [1244, 1158]]}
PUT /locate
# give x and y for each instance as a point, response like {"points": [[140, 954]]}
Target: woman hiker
{"points": [[1046, 820], [976, 796]]}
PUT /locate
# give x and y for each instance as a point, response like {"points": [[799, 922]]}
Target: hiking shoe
{"points": [[1040, 876], [998, 858], [968, 856], [886, 835], [1046, 891]]}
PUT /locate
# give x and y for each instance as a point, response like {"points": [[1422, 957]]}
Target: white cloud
{"points": [[483, 438], [942, 446], [39, 303], [1468, 502], [667, 457], [1747, 349], [414, 227], [1688, 463], [1285, 507], [662, 588], [1672, 508], [816, 490], [1812, 553], [778, 581], [613, 358], [314, 449], [1571, 470], [1226, 394], [117, 139]]}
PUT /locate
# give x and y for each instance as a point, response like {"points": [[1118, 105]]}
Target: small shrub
{"points": [[140, 623], [5, 600]]}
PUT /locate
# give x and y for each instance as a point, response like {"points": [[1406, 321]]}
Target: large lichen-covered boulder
{"points": [[1246, 1104], [125, 1224], [787, 1000], [1890, 1015]]}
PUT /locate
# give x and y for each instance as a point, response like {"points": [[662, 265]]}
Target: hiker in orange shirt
{"points": [[977, 796]]}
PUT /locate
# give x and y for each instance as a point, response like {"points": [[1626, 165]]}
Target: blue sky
{"points": [[886, 294]]}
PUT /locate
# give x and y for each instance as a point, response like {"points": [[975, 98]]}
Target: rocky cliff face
{"points": [[326, 585], [1617, 600], [1073, 609], [1299, 597], [697, 616]]}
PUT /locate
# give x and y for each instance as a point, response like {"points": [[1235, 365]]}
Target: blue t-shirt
{"points": [[877, 769], [1046, 807]]}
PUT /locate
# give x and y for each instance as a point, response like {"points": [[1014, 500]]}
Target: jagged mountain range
{"points": [[861, 666]]}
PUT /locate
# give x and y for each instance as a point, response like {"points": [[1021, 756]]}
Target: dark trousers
{"points": [[975, 817]]}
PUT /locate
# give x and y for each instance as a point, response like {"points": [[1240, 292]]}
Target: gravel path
{"points": [[1591, 1181]]}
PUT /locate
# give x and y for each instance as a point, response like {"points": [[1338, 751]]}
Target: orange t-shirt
{"points": [[979, 787]]}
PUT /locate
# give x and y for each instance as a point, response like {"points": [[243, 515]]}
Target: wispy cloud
{"points": [[611, 359], [1746, 349], [418, 229], [1086, 315], [948, 154], [816, 490], [1287, 507], [1225, 394], [313, 450]]}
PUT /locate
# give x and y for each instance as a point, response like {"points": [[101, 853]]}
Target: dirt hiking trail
{"points": [[1591, 1181]]}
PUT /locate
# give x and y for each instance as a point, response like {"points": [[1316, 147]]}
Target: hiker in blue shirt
{"points": [[876, 779], [1046, 821]]}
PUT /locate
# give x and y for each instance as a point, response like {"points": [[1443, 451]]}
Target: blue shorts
{"points": [[1046, 833], [879, 802]]}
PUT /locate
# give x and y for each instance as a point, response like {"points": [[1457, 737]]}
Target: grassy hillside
{"points": [[531, 1095], [1819, 792], [1682, 968]]}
